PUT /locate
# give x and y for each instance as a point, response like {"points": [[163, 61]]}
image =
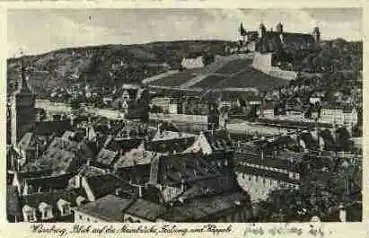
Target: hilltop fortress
{"points": [[275, 47]]}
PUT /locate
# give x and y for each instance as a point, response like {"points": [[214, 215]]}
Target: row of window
{"points": [[265, 180], [46, 211], [87, 219], [284, 171]]}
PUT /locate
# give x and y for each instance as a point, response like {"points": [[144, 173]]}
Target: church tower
{"points": [[316, 35], [23, 113], [261, 30]]}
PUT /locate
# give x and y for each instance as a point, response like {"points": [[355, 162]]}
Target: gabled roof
{"points": [[187, 167], [135, 157], [125, 144], [49, 182], [64, 155], [106, 157], [211, 186], [109, 208], [103, 185], [218, 139], [177, 144], [146, 210], [51, 198], [204, 208], [90, 171]]}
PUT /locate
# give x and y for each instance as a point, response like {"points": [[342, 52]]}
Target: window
{"points": [[46, 213], [64, 207], [30, 216], [80, 217], [65, 210]]}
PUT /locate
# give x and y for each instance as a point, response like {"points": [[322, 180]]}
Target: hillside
{"points": [[104, 66]]}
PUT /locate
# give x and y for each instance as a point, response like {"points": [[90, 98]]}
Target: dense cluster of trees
{"points": [[334, 55]]}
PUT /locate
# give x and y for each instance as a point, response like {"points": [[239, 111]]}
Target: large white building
{"points": [[193, 63], [340, 116]]}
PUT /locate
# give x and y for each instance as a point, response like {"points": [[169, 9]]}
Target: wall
{"points": [[241, 214], [195, 121], [170, 192], [263, 62], [53, 106], [258, 187], [128, 217], [80, 217]]}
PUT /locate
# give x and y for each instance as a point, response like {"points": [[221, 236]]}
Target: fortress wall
{"points": [[283, 74], [263, 62]]}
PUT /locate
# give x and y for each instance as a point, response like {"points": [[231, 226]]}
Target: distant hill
{"points": [[105, 66]]}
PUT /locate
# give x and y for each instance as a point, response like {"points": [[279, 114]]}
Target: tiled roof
{"points": [[12, 201], [103, 185], [308, 139], [52, 197], [218, 139], [163, 146], [49, 182], [135, 157], [205, 207], [64, 155], [124, 144], [109, 208], [26, 141], [33, 174], [106, 157], [211, 186], [190, 167], [89, 171], [145, 209]]}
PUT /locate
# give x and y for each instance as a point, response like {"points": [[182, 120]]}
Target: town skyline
{"points": [[115, 26]]}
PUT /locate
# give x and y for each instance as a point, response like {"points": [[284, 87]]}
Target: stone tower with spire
{"points": [[22, 113]]}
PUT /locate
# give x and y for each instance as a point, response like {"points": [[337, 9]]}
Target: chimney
{"points": [[77, 180], [262, 154], [342, 213], [140, 191], [182, 185]]}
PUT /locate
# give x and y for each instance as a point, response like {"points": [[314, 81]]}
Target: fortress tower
{"points": [[316, 35], [279, 28], [22, 108]]}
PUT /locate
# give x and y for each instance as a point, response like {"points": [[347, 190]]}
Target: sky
{"points": [[36, 31]]}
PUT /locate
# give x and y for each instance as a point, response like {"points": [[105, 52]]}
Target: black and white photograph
{"points": [[180, 115]]}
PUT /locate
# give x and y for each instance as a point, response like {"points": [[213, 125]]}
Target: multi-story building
{"points": [[21, 109], [338, 115]]}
